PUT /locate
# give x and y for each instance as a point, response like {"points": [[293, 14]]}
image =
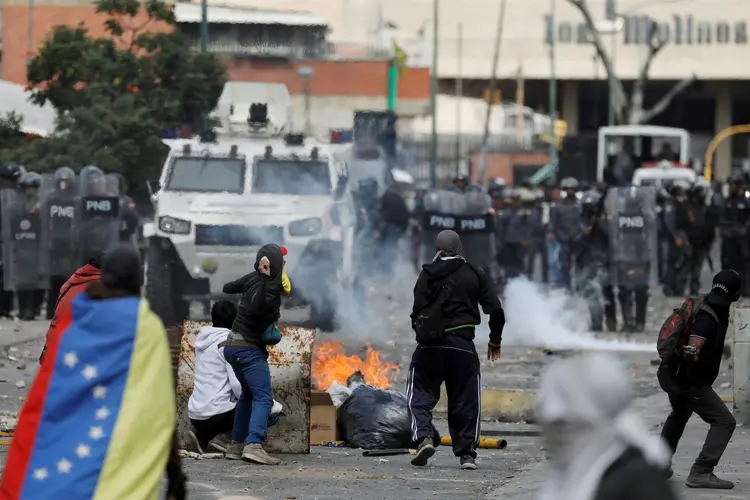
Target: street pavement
{"points": [[514, 473]]}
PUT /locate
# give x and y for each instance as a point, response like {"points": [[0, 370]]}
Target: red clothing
{"points": [[75, 285]]}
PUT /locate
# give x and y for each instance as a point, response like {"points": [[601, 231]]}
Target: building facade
{"points": [[257, 45], [708, 39]]}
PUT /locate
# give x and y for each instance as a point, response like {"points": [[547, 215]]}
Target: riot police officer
{"points": [[59, 213], [592, 264], [10, 173], [566, 227], [677, 225], [461, 182], [631, 219], [538, 236], [98, 220], [733, 229], [28, 255], [128, 213], [662, 203], [497, 192], [701, 233]]}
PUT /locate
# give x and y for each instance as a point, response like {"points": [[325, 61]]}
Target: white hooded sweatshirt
{"points": [[215, 388]]}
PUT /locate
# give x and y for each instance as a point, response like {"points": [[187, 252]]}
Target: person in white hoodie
{"points": [[215, 386]]}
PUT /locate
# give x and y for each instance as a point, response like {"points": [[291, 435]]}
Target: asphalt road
{"points": [[344, 473]]}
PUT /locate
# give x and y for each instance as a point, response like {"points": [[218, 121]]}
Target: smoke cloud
{"points": [[553, 320]]}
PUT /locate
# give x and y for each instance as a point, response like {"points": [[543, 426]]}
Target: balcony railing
{"points": [[326, 51]]}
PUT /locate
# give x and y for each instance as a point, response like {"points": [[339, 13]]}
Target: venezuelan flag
{"points": [[99, 418]]}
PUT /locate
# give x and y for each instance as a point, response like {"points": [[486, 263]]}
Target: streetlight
{"points": [[204, 26], [306, 73]]}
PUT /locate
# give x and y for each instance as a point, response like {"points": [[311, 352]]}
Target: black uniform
{"points": [[700, 236], [592, 264], [10, 173], [677, 225], [455, 360], [733, 225]]}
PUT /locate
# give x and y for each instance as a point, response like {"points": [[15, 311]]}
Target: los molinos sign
{"points": [[681, 30]]}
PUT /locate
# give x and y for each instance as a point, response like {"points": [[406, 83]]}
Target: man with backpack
{"points": [[447, 297], [690, 345]]}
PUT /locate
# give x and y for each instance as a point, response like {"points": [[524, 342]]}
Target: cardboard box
{"points": [[322, 418]]}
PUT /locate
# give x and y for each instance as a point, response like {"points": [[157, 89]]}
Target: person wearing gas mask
{"points": [[701, 234], [30, 296], [60, 212], [566, 227], [10, 173], [677, 225], [592, 264], [734, 218]]}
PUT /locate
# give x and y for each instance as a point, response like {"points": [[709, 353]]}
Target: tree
{"points": [[117, 95], [629, 109]]}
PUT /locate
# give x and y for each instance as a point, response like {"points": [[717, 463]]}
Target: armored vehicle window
{"points": [[297, 177], [207, 175]]}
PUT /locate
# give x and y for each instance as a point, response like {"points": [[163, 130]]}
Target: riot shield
{"points": [[632, 227], [98, 215], [466, 214], [25, 263], [58, 217]]}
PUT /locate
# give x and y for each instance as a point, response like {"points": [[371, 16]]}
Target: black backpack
{"points": [[430, 324]]}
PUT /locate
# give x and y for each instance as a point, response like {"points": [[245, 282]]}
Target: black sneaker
{"points": [[709, 481], [468, 463], [425, 451]]}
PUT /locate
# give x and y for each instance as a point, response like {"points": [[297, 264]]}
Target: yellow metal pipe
{"points": [[484, 442], [716, 141]]}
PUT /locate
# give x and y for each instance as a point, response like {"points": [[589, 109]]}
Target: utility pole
{"points": [[459, 94], [433, 94], [204, 26], [552, 94], [614, 66], [30, 29], [491, 100]]}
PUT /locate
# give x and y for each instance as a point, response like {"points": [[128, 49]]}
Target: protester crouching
{"points": [[100, 418], [253, 329], [599, 448]]}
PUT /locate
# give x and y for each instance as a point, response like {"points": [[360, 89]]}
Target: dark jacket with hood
{"points": [[630, 477], [261, 296], [70, 290], [471, 288]]}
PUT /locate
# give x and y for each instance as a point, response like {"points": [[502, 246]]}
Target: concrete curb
{"points": [[504, 406]]}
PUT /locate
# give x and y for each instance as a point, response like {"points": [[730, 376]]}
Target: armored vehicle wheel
{"points": [[162, 290]]}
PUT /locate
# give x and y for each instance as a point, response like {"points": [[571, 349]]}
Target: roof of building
{"points": [[37, 120], [191, 13]]}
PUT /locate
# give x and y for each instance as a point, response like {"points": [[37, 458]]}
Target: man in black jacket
{"points": [[689, 378], [259, 309], [454, 358]]}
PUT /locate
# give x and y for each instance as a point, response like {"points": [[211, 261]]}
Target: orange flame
{"points": [[331, 364]]}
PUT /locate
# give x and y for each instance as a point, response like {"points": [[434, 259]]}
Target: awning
{"points": [[36, 120], [191, 13]]}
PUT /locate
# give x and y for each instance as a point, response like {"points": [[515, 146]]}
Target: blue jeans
{"points": [[250, 365]]}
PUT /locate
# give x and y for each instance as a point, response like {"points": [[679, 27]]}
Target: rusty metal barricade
{"points": [[290, 362]]}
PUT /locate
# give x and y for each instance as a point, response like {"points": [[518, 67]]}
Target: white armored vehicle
{"points": [[218, 203]]}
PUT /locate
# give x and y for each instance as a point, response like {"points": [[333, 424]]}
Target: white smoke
{"points": [[553, 320]]}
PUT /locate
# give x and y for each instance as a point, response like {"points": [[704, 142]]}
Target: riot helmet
{"points": [[461, 182], [11, 172], [569, 183], [92, 181], [700, 188], [64, 178], [590, 200], [30, 182]]}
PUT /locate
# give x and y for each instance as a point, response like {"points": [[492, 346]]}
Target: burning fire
{"points": [[331, 364]]}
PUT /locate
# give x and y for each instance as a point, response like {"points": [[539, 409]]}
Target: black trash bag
{"points": [[374, 419]]}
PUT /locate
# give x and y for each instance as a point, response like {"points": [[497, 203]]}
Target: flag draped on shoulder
{"points": [[99, 418]]}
